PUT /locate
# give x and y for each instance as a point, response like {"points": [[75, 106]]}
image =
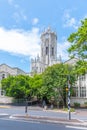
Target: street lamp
{"points": [[68, 90], [69, 97], [26, 107]]}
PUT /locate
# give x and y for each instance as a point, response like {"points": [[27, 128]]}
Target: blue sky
{"points": [[22, 21]]}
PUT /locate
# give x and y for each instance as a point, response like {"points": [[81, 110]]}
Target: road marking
{"points": [[3, 114], [20, 120], [76, 127], [5, 106]]}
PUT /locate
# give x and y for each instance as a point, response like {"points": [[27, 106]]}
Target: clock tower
{"points": [[48, 52], [48, 47]]}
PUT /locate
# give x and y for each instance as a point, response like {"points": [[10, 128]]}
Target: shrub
{"points": [[71, 109], [76, 104], [85, 103]]}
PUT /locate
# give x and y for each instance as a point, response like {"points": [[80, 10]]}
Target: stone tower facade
{"points": [[48, 52], [48, 47]]}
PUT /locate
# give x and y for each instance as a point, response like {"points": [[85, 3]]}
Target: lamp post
{"points": [[26, 107], [68, 90], [69, 97]]}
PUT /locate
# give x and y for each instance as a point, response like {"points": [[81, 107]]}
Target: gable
{"points": [[71, 61], [7, 69]]}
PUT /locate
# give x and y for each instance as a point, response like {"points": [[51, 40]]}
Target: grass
{"points": [[71, 109]]}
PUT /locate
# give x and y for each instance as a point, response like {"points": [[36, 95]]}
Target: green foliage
{"points": [[79, 41], [55, 81], [22, 86], [71, 109], [76, 104], [81, 67], [16, 86], [36, 84], [50, 85], [85, 103]]}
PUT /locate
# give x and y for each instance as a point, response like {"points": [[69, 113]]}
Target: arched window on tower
{"points": [[46, 50], [42, 51], [52, 51]]}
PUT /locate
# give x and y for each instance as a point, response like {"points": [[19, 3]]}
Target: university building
{"points": [[49, 57], [80, 88], [6, 71]]}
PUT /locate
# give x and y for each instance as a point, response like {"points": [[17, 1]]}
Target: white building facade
{"points": [[6, 71], [80, 88]]}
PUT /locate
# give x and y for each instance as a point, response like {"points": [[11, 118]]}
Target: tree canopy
{"points": [[35, 85], [78, 41], [49, 85], [55, 81], [80, 68], [17, 86]]}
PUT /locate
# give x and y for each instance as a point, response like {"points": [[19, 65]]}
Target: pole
{"points": [[69, 97], [26, 108]]}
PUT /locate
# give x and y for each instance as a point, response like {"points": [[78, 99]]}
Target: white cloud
{"points": [[69, 21], [85, 17], [18, 16], [20, 42], [35, 21], [62, 49], [24, 43], [10, 1], [19, 13]]}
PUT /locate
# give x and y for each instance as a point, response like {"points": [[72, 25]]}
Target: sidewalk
{"points": [[52, 119]]}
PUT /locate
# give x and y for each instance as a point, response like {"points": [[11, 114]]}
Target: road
{"points": [[7, 123], [21, 110], [10, 124]]}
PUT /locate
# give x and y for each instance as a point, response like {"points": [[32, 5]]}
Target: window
{"points": [[42, 51], [32, 68], [82, 77], [82, 85], [52, 51], [3, 76], [75, 92], [2, 92], [40, 70], [46, 50], [82, 91]]}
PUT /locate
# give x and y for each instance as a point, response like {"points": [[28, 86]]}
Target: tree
{"points": [[22, 86], [55, 82], [35, 85], [80, 68], [79, 41], [78, 47], [17, 87]]}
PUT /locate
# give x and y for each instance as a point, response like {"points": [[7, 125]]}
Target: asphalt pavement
{"points": [[78, 118]]}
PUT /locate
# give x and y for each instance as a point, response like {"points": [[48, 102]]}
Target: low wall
{"points": [[5, 100], [9, 100], [78, 100]]}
